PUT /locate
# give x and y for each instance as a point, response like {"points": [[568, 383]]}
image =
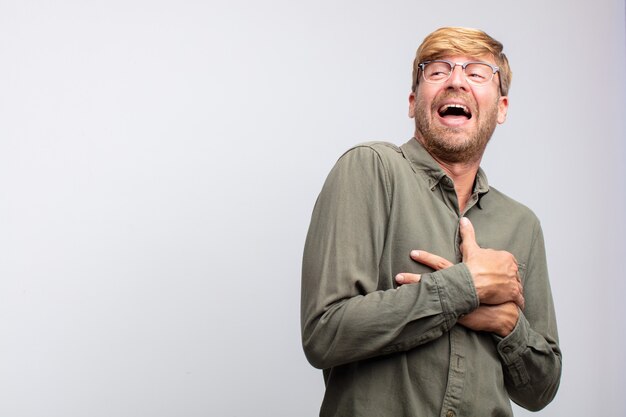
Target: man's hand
{"points": [[499, 319], [496, 281], [495, 273]]}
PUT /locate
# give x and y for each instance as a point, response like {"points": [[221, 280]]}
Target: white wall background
{"points": [[159, 161]]}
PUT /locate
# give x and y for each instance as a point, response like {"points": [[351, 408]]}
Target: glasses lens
{"points": [[437, 71], [478, 73]]}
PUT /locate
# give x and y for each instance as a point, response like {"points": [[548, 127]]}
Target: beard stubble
{"points": [[454, 145]]}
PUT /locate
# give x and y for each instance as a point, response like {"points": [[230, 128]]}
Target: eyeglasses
{"points": [[476, 73]]}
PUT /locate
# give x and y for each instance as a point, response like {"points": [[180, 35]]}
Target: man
{"points": [[404, 307]]}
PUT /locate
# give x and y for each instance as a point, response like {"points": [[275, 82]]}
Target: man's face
{"points": [[452, 133]]}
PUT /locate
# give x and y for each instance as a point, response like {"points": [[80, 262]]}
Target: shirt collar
{"points": [[424, 164]]}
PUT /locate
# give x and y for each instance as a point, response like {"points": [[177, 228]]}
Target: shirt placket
{"points": [[457, 369], [456, 375]]}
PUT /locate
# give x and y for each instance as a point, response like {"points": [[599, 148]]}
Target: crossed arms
{"points": [[351, 310], [496, 279]]}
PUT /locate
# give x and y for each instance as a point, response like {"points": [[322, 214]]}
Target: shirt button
{"points": [[506, 349], [450, 413]]}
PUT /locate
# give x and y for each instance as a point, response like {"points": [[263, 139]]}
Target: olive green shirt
{"points": [[389, 350]]}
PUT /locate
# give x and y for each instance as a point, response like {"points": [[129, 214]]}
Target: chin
{"points": [[455, 141], [453, 148]]}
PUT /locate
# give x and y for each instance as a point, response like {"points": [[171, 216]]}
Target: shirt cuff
{"points": [[511, 346], [456, 291], [511, 349]]}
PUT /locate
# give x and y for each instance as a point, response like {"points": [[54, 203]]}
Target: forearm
{"points": [[531, 364], [530, 355], [384, 322]]}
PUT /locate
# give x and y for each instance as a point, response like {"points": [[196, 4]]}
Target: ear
{"points": [[503, 108], [412, 105]]}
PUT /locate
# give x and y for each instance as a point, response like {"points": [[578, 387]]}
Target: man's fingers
{"points": [[428, 259], [520, 300], [407, 278], [499, 319], [468, 235]]}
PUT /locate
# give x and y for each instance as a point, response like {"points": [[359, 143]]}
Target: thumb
{"points": [[468, 236]]}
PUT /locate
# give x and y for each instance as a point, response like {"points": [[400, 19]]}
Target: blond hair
{"points": [[449, 41]]}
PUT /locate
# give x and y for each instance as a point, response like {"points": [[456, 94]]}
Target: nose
{"points": [[457, 79]]}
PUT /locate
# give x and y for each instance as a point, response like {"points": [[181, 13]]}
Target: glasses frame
{"points": [[463, 65]]}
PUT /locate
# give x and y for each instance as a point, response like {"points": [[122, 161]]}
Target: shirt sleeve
{"points": [[345, 316], [530, 354]]}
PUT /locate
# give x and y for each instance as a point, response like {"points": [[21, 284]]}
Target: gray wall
{"points": [[159, 161]]}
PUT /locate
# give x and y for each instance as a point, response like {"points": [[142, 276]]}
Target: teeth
{"points": [[458, 106]]}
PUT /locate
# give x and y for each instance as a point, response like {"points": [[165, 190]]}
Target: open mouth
{"points": [[454, 110]]}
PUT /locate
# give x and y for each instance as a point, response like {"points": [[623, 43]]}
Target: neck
{"points": [[463, 174]]}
